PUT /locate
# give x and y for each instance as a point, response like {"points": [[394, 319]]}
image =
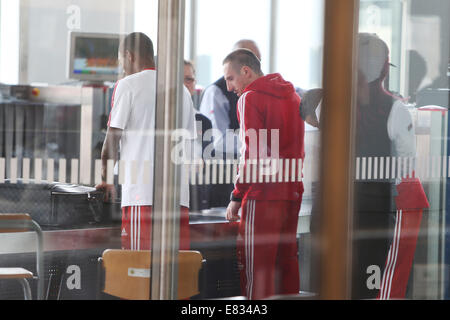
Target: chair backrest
{"points": [[22, 222], [127, 273], [14, 222]]}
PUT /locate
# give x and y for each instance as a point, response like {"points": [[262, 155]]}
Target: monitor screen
{"points": [[93, 57]]}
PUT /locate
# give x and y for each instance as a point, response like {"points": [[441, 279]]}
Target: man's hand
{"points": [[109, 191], [109, 152], [311, 119], [233, 211], [310, 102]]}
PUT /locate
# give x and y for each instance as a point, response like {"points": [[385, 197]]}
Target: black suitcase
{"points": [[53, 204]]}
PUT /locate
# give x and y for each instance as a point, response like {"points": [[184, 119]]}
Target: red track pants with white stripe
{"points": [[137, 225], [401, 255], [411, 201], [267, 248]]}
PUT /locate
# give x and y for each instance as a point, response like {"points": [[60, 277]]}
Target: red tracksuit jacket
{"points": [[270, 103]]}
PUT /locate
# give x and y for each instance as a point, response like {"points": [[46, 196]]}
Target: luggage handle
{"points": [[96, 214]]}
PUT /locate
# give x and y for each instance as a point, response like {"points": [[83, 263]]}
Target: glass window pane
{"points": [[400, 238], [69, 85], [64, 94], [273, 26]]}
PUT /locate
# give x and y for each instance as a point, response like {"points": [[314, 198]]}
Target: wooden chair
{"points": [[126, 273], [14, 223]]}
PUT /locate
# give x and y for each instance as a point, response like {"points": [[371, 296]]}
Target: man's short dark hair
{"points": [[139, 44], [243, 57]]}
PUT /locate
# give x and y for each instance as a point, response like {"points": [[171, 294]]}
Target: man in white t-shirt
{"points": [[388, 210], [131, 129], [388, 207]]}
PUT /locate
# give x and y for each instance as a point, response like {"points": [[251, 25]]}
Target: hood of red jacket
{"points": [[272, 84]]}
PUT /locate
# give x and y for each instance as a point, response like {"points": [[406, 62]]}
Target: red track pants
{"points": [[137, 224], [267, 248], [401, 255], [411, 201]]}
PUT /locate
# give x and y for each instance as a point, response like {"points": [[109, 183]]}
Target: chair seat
{"points": [[15, 273], [22, 222]]}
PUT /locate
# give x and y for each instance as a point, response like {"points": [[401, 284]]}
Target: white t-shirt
{"points": [[401, 130], [133, 111]]}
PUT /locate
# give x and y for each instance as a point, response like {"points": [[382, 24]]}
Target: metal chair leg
{"points": [[26, 289]]}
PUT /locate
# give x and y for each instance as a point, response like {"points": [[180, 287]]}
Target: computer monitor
{"points": [[92, 57]]}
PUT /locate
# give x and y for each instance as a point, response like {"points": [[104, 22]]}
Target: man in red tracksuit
{"points": [[270, 195]]}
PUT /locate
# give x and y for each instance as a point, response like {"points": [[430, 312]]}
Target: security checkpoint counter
{"points": [[71, 255]]}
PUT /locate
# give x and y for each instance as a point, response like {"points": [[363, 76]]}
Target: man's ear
{"points": [[385, 70], [247, 71]]}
